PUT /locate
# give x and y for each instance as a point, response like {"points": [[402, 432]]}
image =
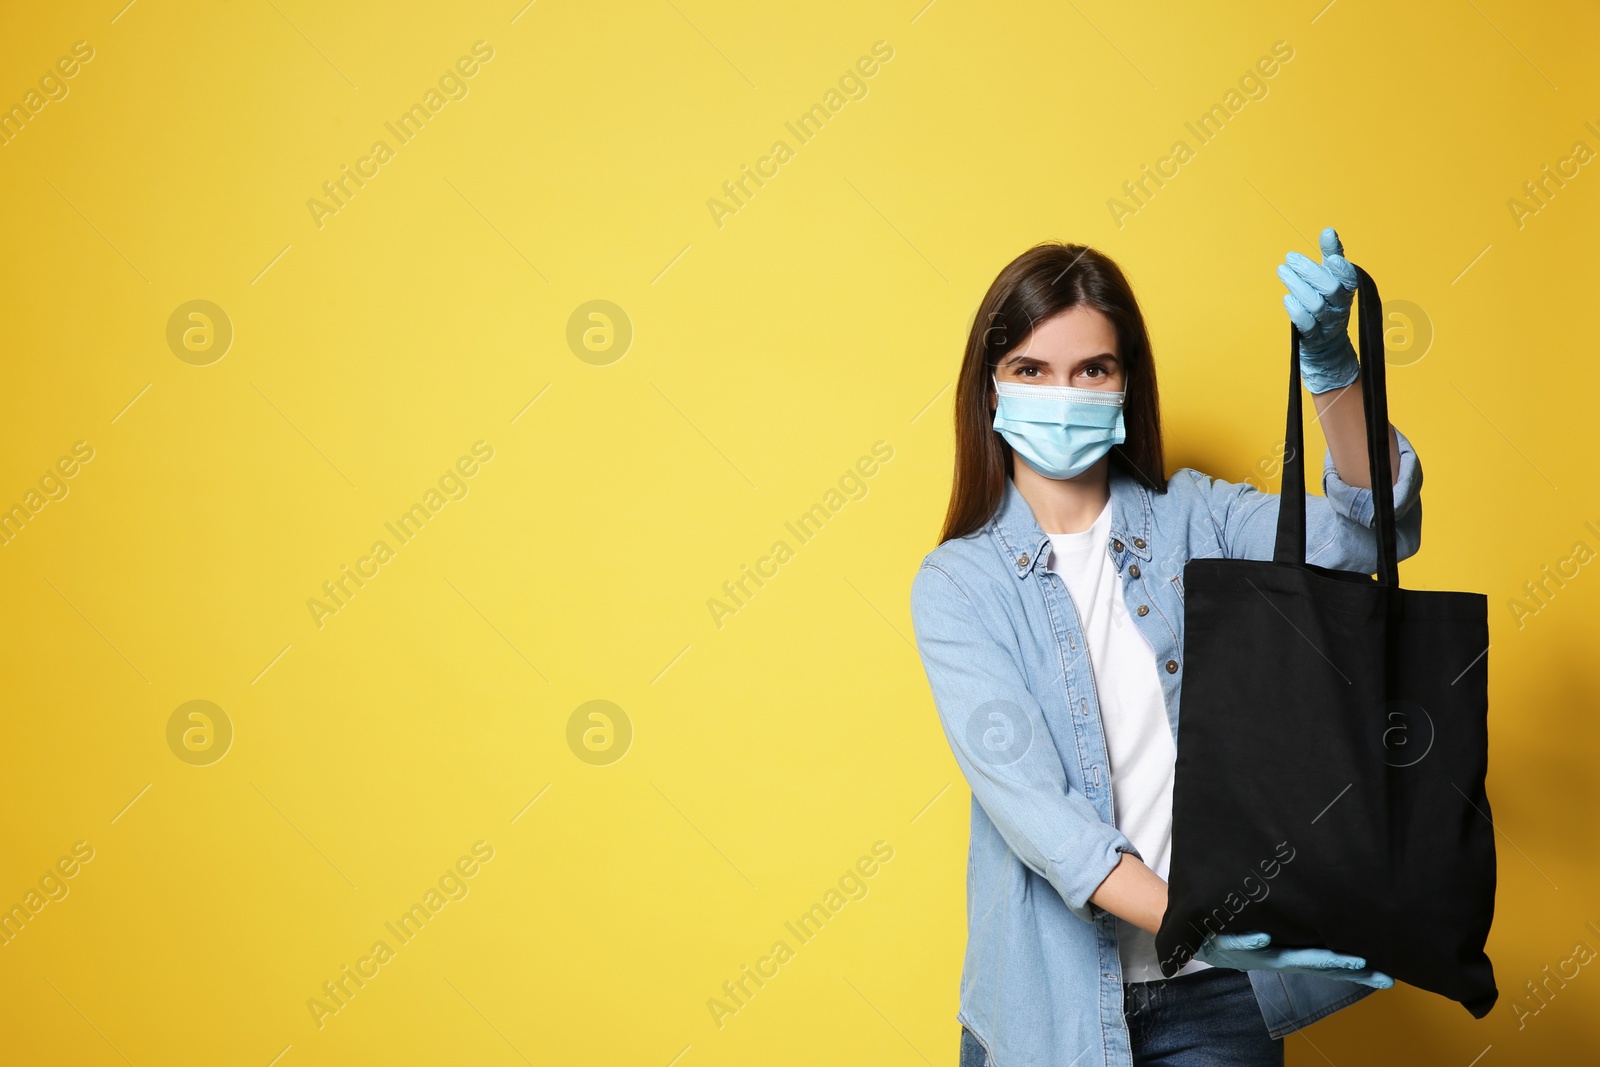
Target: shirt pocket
{"points": [[1177, 586]]}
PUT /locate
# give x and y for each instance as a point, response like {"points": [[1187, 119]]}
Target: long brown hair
{"points": [[1046, 280]]}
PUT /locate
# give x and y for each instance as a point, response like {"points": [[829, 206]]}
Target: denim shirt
{"points": [[1001, 643]]}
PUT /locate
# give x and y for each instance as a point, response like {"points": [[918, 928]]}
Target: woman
{"points": [[1050, 624]]}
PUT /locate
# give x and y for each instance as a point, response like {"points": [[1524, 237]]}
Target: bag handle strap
{"points": [[1291, 542]]}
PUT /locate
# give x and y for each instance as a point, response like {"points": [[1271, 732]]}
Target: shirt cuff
{"points": [[1357, 504], [1078, 885]]}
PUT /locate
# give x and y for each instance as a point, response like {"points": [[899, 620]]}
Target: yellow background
{"points": [[768, 355]]}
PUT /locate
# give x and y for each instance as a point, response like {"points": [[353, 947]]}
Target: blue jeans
{"points": [[1206, 1018]]}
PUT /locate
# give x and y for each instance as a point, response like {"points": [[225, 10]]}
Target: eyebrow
{"points": [[1020, 360]]}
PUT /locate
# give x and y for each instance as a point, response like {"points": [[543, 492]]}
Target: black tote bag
{"points": [[1332, 746]]}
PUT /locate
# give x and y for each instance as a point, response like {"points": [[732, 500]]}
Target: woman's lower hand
{"points": [[1255, 952], [1318, 302]]}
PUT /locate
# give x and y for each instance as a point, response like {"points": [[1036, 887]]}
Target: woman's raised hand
{"points": [[1318, 302]]}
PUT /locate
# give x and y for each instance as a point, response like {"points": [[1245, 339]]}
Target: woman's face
{"points": [[1076, 347]]}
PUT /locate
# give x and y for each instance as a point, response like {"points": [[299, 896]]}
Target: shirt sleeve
{"points": [[997, 732], [1340, 524]]}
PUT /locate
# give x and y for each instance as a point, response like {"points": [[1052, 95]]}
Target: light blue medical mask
{"points": [[1059, 430]]}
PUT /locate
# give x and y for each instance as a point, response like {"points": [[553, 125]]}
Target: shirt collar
{"points": [[1025, 545]]}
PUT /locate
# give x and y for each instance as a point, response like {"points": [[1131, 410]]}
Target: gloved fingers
{"points": [[1319, 959], [1304, 285], [1360, 976], [1334, 261], [1337, 306], [1311, 272], [1365, 976], [1328, 241], [1302, 318], [1342, 271], [1254, 939], [1375, 979]]}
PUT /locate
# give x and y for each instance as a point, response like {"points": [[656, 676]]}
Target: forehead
{"points": [[1076, 333]]}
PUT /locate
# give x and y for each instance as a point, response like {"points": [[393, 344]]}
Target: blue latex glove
{"points": [[1252, 952], [1318, 301]]}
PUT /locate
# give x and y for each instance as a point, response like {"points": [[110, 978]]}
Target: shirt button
{"points": [[1172, 666], [1117, 545], [1022, 560], [1138, 542], [1144, 609], [1134, 570]]}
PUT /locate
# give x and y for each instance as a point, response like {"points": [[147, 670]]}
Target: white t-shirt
{"points": [[1133, 714]]}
